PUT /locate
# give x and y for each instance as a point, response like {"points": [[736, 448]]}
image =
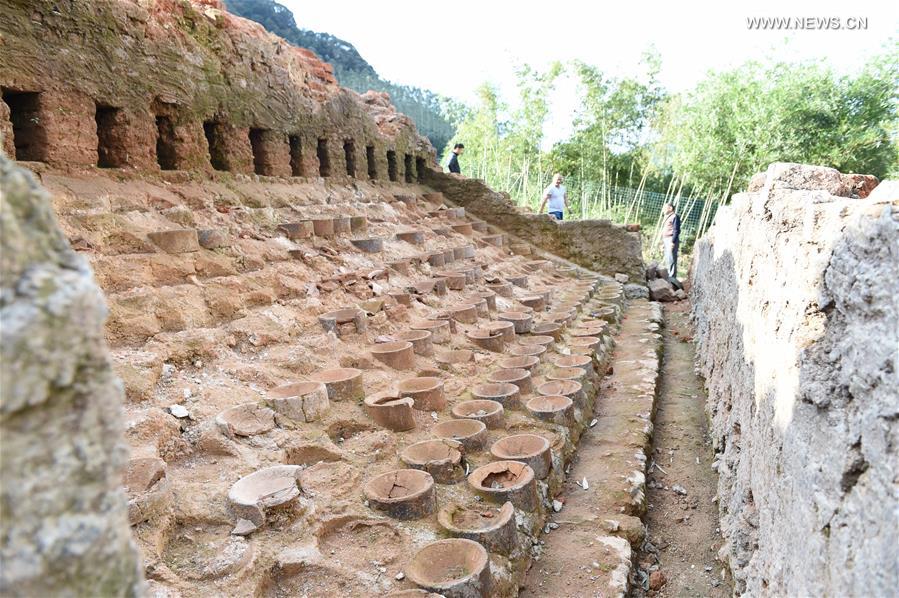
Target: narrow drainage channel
{"points": [[678, 557]]}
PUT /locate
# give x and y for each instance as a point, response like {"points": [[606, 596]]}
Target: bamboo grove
{"points": [[635, 146]]}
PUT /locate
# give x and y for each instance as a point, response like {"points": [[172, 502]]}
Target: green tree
{"points": [[502, 145], [525, 127], [738, 121], [479, 129], [613, 128]]}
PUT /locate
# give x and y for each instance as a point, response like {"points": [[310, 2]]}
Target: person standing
{"points": [[557, 196], [453, 165], [670, 239]]}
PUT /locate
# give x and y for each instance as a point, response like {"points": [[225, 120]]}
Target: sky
{"points": [[453, 46]]}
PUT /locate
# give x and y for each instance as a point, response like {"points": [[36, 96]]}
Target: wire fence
{"points": [[597, 199], [626, 205]]}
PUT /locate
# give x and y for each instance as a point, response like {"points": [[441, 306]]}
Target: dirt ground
{"points": [[580, 558], [682, 517]]}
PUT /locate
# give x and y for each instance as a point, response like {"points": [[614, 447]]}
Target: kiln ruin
{"points": [[257, 343]]}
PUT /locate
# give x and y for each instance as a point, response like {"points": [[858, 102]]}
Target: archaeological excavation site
{"points": [[256, 342]]}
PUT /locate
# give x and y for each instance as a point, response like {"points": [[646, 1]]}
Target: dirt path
{"points": [[587, 550], [681, 518]]}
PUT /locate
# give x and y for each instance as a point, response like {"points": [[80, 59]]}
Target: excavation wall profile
{"points": [[796, 304], [158, 86]]}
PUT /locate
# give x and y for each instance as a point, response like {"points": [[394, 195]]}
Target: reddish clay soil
{"points": [[240, 358]]}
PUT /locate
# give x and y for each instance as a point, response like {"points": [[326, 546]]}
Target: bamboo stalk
{"points": [[634, 199], [722, 199]]}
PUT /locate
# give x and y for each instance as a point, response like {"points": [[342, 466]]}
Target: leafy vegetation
{"points": [[609, 147], [503, 146], [351, 70], [614, 126], [634, 146], [735, 123]]}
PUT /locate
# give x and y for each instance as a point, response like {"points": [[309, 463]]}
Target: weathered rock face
{"points": [[595, 244], [62, 511], [185, 86], [796, 301]]}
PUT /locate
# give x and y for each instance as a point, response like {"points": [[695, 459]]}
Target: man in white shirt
{"points": [[557, 196]]}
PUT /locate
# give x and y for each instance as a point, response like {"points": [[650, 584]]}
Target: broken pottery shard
{"points": [[300, 401], [248, 419], [244, 527], [252, 495], [179, 411], [147, 487]]}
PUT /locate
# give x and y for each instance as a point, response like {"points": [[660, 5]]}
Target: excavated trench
{"points": [[254, 430], [679, 555], [265, 292], [261, 423], [595, 544]]}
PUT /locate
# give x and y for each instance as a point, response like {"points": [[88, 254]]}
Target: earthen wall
{"points": [[63, 516], [598, 245], [102, 83], [795, 305]]}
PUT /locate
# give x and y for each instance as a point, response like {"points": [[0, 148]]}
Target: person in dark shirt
{"points": [[453, 164], [670, 239]]}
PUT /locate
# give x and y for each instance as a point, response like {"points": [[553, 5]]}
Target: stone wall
{"points": [[795, 305], [595, 244], [63, 515], [179, 85]]}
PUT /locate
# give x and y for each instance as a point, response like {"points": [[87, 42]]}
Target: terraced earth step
{"points": [[587, 546]]}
